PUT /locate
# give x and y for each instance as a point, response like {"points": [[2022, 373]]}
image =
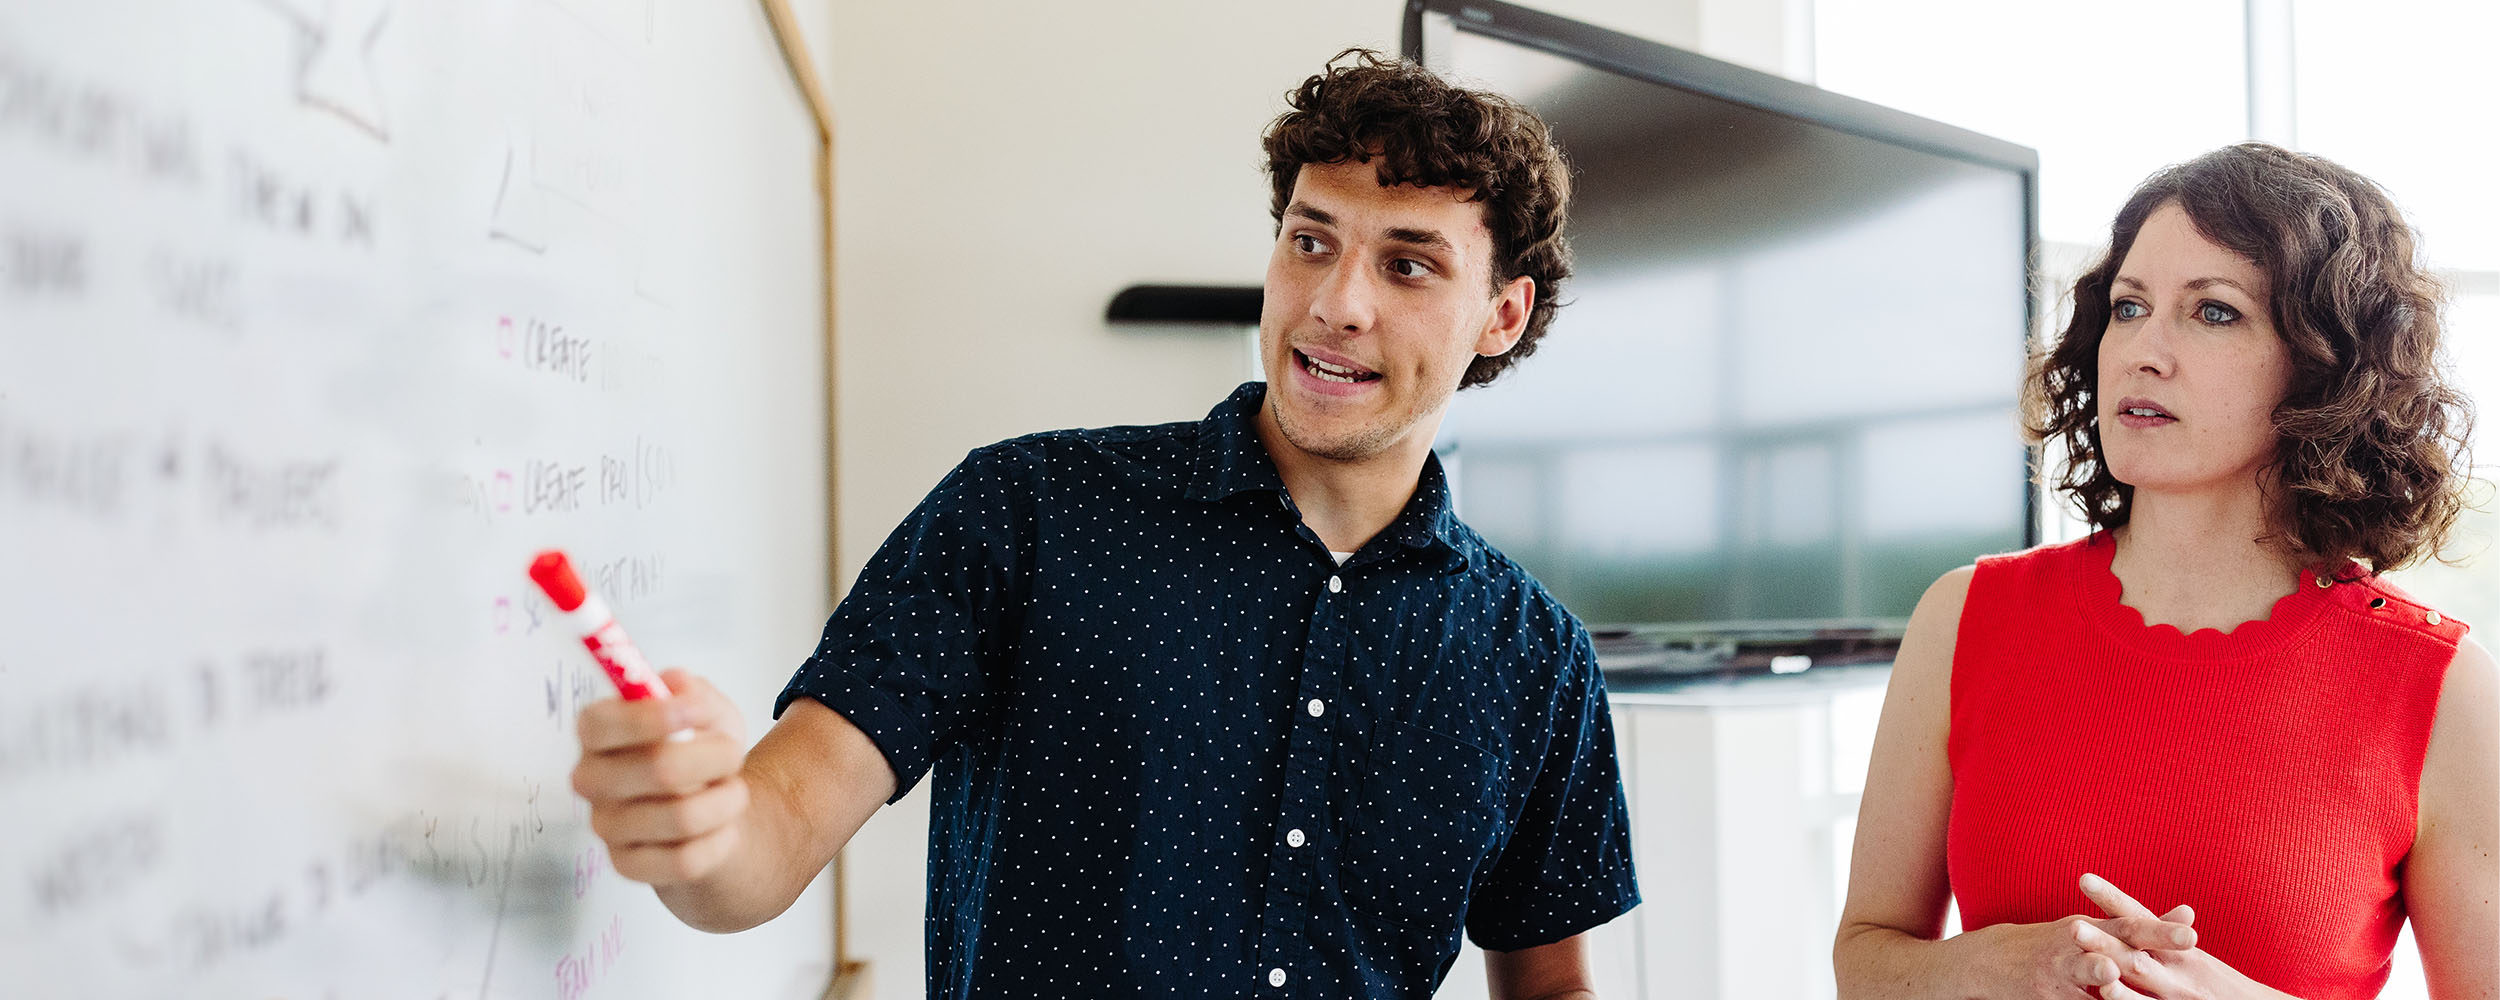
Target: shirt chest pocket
{"points": [[1426, 817]]}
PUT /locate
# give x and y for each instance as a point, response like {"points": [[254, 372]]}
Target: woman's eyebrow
{"points": [[2201, 284], [2195, 285]]}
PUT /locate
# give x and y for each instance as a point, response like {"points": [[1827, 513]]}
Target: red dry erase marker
{"points": [[633, 675]]}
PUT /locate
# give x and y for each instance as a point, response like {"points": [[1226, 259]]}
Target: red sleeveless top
{"points": [[2267, 776]]}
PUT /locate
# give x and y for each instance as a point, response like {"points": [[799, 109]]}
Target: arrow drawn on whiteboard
{"points": [[503, 896], [519, 218], [334, 58]]}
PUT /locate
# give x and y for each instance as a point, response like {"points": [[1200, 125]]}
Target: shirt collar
{"points": [[1231, 460]]}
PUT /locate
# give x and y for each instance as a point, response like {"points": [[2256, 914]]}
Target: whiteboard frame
{"points": [[850, 976]]}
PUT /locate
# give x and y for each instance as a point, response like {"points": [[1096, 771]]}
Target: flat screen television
{"points": [[1781, 396]]}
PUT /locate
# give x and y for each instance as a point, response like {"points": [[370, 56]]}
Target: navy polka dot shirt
{"points": [[1178, 750]]}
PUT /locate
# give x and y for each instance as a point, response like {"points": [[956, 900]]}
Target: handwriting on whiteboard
{"points": [[488, 852], [151, 714], [89, 473], [272, 493], [103, 858], [576, 973], [105, 474], [268, 197], [540, 346], [632, 477], [40, 264], [95, 123]]}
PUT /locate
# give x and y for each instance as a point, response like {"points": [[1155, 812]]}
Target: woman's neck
{"points": [[2203, 561]]}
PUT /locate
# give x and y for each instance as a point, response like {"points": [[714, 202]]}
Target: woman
{"points": [[2213, 704]]}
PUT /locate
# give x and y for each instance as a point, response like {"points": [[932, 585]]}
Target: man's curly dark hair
{"points": [[1426, 132], [2372, 448]]}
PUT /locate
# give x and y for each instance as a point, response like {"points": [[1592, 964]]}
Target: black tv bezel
{"points": [[1643, 59]]}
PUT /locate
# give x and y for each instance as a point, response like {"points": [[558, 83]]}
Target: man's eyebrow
{"points": [[1423, 238], [1308, 212]]}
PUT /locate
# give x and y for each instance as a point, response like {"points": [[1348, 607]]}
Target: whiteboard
{"points": [[317, 318]]}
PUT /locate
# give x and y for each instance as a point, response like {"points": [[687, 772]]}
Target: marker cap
{"points": [[554, 574]]}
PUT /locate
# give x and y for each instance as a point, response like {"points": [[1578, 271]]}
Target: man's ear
{"points": [[1509, 319]]}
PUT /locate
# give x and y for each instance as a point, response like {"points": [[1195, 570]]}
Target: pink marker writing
{"points": [[616, 654]]}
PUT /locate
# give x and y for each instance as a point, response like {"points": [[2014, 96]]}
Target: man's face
{"points": [[1377, 300]]}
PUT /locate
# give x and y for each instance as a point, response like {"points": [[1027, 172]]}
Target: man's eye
{"points": [[1409, 267], [2127, 309], [1306, 243], [2216, 313]]}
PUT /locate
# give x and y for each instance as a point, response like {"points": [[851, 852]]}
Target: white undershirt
{"points": [[1341, 556]]}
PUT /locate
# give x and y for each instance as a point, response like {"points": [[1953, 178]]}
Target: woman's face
{"points": [[2190, 366]]}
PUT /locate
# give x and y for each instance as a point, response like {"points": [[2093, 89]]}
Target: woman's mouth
{"points": [[2134, 412]]}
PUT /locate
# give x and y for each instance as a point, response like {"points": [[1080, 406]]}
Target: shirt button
{"points": [[1276, 977], [1318, 708], [1293, 838], [2431, 617], [1335, 585]]}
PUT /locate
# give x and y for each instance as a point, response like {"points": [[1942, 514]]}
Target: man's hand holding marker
{"points": [[660, 765]]}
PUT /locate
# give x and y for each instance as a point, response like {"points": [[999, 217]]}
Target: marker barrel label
{"points": [[616, 654]]}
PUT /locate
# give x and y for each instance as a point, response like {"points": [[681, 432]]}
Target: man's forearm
{"points": [[767, 866], [812, 782]]}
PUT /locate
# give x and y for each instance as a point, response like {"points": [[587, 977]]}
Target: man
{"points": [[1233, 707]]}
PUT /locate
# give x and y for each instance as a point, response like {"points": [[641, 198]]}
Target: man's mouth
{"points": [[1329, 372]]}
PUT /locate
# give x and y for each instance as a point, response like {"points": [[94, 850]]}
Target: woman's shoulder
{"points": [[2050, 555], [2377, 600], [2022, 571]]}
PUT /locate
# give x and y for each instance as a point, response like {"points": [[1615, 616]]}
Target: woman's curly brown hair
{"points": [[2372, 454], [1428, 133]]}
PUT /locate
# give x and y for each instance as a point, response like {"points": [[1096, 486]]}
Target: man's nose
{"points": [[1346, 299]]}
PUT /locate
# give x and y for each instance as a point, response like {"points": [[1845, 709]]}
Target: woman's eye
{"points": [[2127, 309], [2216, 313]]}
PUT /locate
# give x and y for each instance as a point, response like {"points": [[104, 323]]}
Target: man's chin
{"points": [[1336, 444]]}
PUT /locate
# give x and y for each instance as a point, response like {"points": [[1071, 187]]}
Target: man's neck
{"points": [[1347, 502]]}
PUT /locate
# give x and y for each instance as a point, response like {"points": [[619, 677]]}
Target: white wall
{"points": [[1002, 170]]}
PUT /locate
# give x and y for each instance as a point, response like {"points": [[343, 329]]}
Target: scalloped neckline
{"points": [[2104, 599]]}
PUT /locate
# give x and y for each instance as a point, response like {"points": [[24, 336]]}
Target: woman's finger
{"points": [[2110, 899], [2121, 991], [2089, 969], [2147, 974], [2149, 933], [2091, 938]]}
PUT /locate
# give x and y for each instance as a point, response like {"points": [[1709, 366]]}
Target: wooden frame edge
{"points": [[850, 977]]}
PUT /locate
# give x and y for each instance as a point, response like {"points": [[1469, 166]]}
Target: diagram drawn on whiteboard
{"points": [[334, 58], [519, 217]]}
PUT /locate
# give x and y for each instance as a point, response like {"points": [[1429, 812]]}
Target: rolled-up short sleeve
{"points": [[1567, 865], [916, 649]]}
